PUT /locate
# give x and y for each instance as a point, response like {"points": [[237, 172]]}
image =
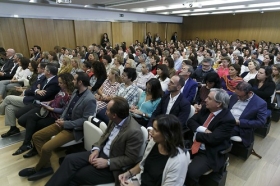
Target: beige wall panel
{"points": [[89, 32], [122, 32], [139, 32], [243, 26], [171, 28], [159, 28], [65, 33], [41, 32], [12, 35]]}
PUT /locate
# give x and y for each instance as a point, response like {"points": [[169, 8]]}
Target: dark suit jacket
{"points": [[253, 116], [51, 88], [221, 127], [85, 107], [190, 90], [199, 74], [125, 148], [181, 108], [7, 67]]}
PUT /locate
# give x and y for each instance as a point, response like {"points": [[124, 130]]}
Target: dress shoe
{"points": [[41, 174], [11, 132], [31, 153], [27, 172], [22, 149]]}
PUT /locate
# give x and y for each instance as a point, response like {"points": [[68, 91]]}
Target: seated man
{"points": [[42, 90], [9, 69], [119, 146], [190, 88], [212, 127], [81, 105], [200, 73], [144, 76], [249, 111], [173, 103]]}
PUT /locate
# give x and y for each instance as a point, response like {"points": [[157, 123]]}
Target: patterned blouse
{"points": [[130, 93], [108, 89]]}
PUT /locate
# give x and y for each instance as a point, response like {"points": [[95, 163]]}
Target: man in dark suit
{"points": [[173, 103], [174, 37], [9, 69], [212, 127], [81, 105], [200, 73], [119, 146], [15, 106], [249, 111], [190, 88]]}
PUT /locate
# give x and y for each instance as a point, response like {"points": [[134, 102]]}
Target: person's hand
{"points": [[127, 183], [47, 107], [59, 122], [13, 81], [124, 177], [136, 111], [133, 107], [237, 122], [41, 92], [18, 89], [93, 156], [1, 73], [100, 163], [207, 131], [97, 97]]}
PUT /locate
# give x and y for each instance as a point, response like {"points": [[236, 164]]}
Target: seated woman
{"points": [[230, 81], [130, 63], [253, 67], [118, 63], [86, 67], [27, 81], [52, 58], [148, 102], [106, 60], [164, 161], [263, 86], [268, 60], [22, 73], [212, 80], [169, 62], [98, 77], [36, 122], [163, 76], [224, 67], [108, 89], [276, 79], [66, 66], [76, 66]]}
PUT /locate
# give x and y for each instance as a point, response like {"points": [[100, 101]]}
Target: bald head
{"points": [[10, 52]]}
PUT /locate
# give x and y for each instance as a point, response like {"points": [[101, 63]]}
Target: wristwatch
{"points": [[144, 114], [108, 162]]}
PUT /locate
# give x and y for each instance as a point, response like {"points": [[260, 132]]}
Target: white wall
{"points": [[75, 13]]}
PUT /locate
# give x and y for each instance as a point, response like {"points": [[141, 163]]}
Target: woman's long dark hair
{"points": [[170, 127], [156, 89], [164, 73], [268, 73], [67, 79]]}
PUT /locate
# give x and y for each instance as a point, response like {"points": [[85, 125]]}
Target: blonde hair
{"points": [[131, 62], [78, 61], [66, 68], [116, 72], [119, 59]]}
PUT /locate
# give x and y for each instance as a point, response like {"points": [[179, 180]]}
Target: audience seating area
{"points": [[190, 53]]}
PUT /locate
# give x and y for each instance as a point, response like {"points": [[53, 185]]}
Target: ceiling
{"points": [[174, 7]]}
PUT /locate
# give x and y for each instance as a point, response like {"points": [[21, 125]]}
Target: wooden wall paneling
{"points": [[139, 32], [13, 35], [89, 32], [41, 32], [157, 28], [230, 27], [171, 28], [122, 32], [65, 34]]}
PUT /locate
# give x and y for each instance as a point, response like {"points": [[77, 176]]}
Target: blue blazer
{"points": [[190, 90], [253, 116], [181, 108], [51, 88]]}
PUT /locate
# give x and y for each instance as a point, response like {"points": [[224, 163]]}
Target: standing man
{"points": [[212, 127], [119, 146], [148, 39], [81, 105], [174, 37]]}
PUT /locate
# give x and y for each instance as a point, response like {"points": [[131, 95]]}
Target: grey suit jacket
{"points": [[85, 107], [125, 148]]}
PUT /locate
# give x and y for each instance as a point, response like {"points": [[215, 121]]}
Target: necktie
{"points": [[196, 145]]}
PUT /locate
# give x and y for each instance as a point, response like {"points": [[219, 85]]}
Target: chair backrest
{"points": [[145, 137], [92, 134], [97, 122], [192, 112], [273, 96]]}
